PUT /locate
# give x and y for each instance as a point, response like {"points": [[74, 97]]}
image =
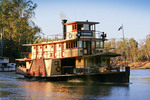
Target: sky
{"points": [[133, 14]]}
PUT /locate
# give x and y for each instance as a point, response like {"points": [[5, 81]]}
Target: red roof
{"points": [[82, 22]]}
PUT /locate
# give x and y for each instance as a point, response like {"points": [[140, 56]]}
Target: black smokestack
{"points": [[64, 28]]}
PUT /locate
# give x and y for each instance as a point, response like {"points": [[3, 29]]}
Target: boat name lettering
{"points": [[86, 34]]}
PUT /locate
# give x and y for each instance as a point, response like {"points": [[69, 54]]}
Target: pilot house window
{"points": [[74, 27], [85, 26]]}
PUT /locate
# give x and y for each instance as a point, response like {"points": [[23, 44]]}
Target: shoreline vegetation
{"points": [[134, 65], [140, 65], [137, 54]]}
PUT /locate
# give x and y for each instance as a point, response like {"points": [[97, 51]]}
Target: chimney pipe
{"points": [[64, 28]]}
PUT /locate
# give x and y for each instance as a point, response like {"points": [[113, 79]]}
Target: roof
{"points": [[106, 54], [60, 41], [51, 42], [82, 22], [24, 59]]}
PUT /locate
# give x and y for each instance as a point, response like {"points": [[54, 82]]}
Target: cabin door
{"points": [[86, 47]]}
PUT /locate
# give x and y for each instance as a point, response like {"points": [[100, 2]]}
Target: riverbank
{"points": [[140, 65]]}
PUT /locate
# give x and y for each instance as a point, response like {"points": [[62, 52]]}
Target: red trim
{"points": [[71, 57], [81, 22], [74, 30]]}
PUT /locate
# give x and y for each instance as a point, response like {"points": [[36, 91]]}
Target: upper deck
{"points": [[79, 38], [79, 29]]}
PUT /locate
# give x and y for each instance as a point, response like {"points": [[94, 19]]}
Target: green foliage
{"points": [[130, 49], [17, 26]]}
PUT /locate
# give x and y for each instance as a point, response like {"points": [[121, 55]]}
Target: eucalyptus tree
{"points": [[145, 48], [17, 25], [133, 46]]}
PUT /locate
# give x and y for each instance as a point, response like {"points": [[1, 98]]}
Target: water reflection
{"points": [[65, 90], [13, 88]]}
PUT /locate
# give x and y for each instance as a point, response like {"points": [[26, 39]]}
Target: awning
{"points": [[105, 54], [24, 59]]}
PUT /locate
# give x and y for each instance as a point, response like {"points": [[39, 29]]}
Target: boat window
{"points": [[80, 44], [79, 60], [69, 45], [93, 44], [46, 46], [72, 45], [97, 44], [40, 47], [76, 44], [101, 44], [84, 44], [85, 26], [59, 45], [91, 27], [74, 27], [66, 45], [80, 27], [56, 62]]}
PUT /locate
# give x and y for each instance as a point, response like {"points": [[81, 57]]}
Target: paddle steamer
{"points": [[79, 54]]}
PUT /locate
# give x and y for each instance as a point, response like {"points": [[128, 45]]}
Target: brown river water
{"points": [[16, 87]]}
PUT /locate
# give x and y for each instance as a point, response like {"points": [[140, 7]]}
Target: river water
{"points": [[15, 87]]}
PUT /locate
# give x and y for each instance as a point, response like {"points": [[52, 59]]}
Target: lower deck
{"points": [[111, 77], [93, 67]]}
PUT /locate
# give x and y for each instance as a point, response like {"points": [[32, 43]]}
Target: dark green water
{"points": [[22, 89]]}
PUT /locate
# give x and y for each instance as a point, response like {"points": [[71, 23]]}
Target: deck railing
{"points": [[94, 69], [56, 37]]}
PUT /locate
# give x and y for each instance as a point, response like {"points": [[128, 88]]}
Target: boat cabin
{"points": [[5, 65], [79, 50]]}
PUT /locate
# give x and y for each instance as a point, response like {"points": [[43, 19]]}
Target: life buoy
{"points": [[58, 69], [70, 35]]}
